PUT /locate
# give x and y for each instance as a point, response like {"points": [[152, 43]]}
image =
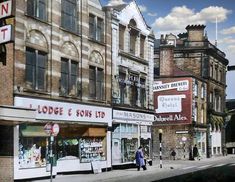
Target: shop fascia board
{"points": [[19, 114], [68, 122], [116, 121]]}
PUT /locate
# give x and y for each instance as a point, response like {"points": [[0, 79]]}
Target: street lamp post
{"points": [[160, 146]]}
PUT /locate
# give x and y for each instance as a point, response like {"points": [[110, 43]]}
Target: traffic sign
{"points": [[55, 129], [48, 128]]}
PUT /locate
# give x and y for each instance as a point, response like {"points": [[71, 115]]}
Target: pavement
{"points": [[138, 176]]}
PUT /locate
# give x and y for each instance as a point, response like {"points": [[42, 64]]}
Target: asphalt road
{"points": [[217, 173], [220, 169]]}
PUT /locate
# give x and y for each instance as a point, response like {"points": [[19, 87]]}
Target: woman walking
{"points": [[139, 158]]}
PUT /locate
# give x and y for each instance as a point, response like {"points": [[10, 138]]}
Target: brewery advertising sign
{"points": [[173, 100]]}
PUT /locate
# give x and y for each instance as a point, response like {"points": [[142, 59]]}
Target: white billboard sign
{"points": [[64, 111], [170, 103]]}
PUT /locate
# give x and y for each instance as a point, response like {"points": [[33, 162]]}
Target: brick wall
{"points": [[7, 168], [6, 78], [171, 140]]}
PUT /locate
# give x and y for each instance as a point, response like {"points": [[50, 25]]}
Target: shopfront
{"points": [[131, 129], [83, 138]]}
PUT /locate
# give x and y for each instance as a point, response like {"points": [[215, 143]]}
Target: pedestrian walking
{"points": [[195, 152], [173, 154], [139, 158]]}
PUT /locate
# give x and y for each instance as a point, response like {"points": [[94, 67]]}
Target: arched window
{"points": [[69, 84], [36, 61]]}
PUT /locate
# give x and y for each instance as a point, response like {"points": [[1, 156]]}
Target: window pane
{"points": [[99, 84], [41, 77], [92, 85], [42, 10], [30, 7], [69, 15], [64, 77], [92, 31], [30, 67], [73, 77], [100, 30]]}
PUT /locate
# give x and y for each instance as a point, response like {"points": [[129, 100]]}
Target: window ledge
{"points": [[38, 19], [96, 100], [29, 90], [68, 31], [131, 56], [69, 96], [96, 41]]}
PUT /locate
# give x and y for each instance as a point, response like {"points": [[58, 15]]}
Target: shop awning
{"points": [[11, 115], [33, 131]]}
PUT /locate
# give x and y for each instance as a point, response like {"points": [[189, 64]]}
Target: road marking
{"points": [[201, 167], [219, 165], [189, 167]]}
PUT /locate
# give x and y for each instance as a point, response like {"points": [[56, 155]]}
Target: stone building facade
{"points": [[58, 70], [191, 55], [132, 79]]}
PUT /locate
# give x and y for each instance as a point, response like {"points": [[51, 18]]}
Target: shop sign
{"points": [[173, 101], [127, 115], [169, 103], [181, 85], [5, 9], [54, 110], [48, 128], [55, 129], [6, 34]]}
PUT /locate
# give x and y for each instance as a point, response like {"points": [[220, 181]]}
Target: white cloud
{"points": [[115, 2], [231, 49], [227, 40], [180, 17], [227, 31], [152, 14], [143, 8]]}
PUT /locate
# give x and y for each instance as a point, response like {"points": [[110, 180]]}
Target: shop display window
{"points": [[32, 152], [67, 148], [128, 149], [92, 149], [145, 143]]}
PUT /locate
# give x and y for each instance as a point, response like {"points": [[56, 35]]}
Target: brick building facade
{"points": [[191, 55], [132, 79], [58, 70]]}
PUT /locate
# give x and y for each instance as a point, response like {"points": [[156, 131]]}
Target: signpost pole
{"points": [[51, 155]]}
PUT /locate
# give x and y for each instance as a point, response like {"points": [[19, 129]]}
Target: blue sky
{"points": [[172, 16]]}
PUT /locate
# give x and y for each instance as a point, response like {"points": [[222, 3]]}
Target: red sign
{"points": [[173, 101], [55, 129]]}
